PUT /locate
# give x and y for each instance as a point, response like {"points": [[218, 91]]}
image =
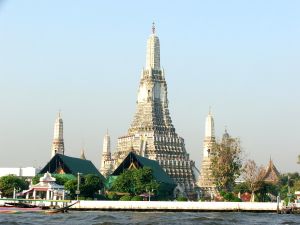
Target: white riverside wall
{"points": [[176, 206]]}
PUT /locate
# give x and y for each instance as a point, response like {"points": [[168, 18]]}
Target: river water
{"points": [[156, 218]]}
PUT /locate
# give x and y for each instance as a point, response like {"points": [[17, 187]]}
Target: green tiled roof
{"points": [[71, 165], [158, 172]]}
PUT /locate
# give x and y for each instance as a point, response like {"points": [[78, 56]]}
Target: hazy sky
{"points": [[85, 58]]}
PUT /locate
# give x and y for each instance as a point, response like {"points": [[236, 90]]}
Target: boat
{"points": [[14, 209], [21, 207], [60, 210]]}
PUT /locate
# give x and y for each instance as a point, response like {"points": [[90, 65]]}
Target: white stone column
{"points": [[34, 194], [48, 195]]}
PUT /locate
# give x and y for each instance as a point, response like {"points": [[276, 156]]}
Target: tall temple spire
{"points": [[106, 143], [106, 167], [209, 126], [58, 139], [153, 51], [152, 134], [206, 180]]}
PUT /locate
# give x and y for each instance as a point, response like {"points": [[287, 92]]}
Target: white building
{"points": [[19, 171]]}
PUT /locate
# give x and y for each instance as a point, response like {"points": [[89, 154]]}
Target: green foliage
{"points": [[61, 179], [226, 163], [71, 186], [181, 199], [125, 198], [262, 194], [135, 181], [296, 186], [36, 178], [229, 197], [88, 187], [100, 197], [112, 196], [241, 188], [91, 185], [291, 180], [137, 198], [124, 182], [8, 183]]}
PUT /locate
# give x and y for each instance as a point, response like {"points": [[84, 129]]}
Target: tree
{"points": [[226, 163], [265, 191], [61, 179], [8, 183], [71, 186], [89, 185], [289, 182], [36, 178], [135, 181], [253, 176]]}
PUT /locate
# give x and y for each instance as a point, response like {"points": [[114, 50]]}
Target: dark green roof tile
{"points": [[71, 165], [158, 172]]}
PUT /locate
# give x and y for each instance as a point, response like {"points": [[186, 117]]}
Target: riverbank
{"points": [[145, 206], [164, 206]]}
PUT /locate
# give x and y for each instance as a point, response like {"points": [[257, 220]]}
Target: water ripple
{"points": [[147, 218]]}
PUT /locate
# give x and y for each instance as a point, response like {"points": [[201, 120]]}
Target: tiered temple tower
{"points": [[206, 181], [58, 139], [106, 162], [152, 133]]}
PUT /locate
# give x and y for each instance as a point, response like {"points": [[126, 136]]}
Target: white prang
{"points": [[151, 133], [206, 181], [58, 139], [209, 138], [153, 52], [106, 163]]}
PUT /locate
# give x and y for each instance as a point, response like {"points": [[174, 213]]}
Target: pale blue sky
{"points": [[85, 58]]}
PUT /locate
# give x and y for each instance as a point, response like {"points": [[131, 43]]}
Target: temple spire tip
{"points": [[153, 28]]}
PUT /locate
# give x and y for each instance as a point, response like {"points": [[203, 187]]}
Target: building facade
{"points": [[152, 133], [27, 172]]}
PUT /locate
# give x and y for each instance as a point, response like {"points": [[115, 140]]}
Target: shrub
{"points": [[100, 197], [112, 196], [125, 198], [181, 199], [137, 198], [230, 197]]}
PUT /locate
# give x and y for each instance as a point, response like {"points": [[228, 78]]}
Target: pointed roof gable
{"points": [[271, 173], [140, 162], [70, 165]]}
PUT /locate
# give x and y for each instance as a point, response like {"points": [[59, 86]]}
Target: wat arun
{"points": [[152, 133]]}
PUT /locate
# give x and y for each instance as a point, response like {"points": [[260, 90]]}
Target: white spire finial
{"points": [[153, 51], [209, 126], [153, 28]]}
